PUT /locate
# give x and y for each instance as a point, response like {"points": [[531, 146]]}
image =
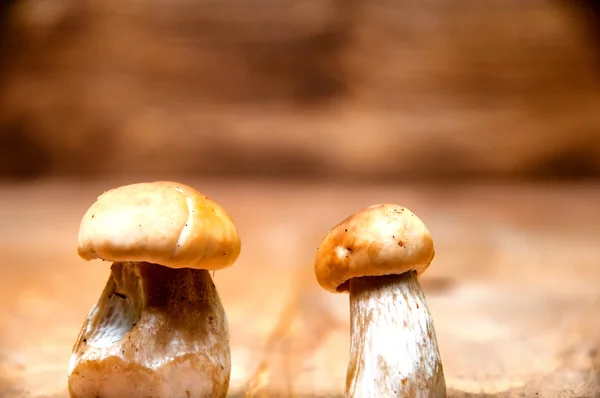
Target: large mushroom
{"points": [[158, 329], [376, 255]]}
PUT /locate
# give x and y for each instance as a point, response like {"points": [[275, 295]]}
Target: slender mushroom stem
{"points": [[155, 331], [393, 348]]}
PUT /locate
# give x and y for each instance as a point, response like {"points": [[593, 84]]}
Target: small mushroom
{"points": [[158, 329], [376, 255]]}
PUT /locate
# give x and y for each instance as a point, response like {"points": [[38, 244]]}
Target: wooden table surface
{"points": [[514, 288]]}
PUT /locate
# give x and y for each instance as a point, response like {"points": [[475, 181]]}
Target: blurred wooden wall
{"points": [[328, 88]]}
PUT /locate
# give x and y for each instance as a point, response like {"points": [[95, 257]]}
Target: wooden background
{"points": [[315, 89]]}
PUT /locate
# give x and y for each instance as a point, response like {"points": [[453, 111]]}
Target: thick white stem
{"points": [[393, 350], [155, 332]]}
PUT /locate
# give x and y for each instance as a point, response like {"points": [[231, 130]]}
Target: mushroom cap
{"points": [[380, 240], [161, 222]]}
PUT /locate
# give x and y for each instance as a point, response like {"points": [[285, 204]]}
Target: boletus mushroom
{"points": [[376, 255], [158, 329]]}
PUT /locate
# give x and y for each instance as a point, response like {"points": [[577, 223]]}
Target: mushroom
{"points": [[376, 255], [158, 329]]}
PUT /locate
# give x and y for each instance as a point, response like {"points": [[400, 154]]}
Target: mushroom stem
{"points": [[393, 348], [155, 331]]}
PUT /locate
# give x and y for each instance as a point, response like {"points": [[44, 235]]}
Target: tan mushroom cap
{"points": [[380, 240], [162, 222]]}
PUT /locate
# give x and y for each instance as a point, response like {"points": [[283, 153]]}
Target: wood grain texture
{"points": [[513, 288]]}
